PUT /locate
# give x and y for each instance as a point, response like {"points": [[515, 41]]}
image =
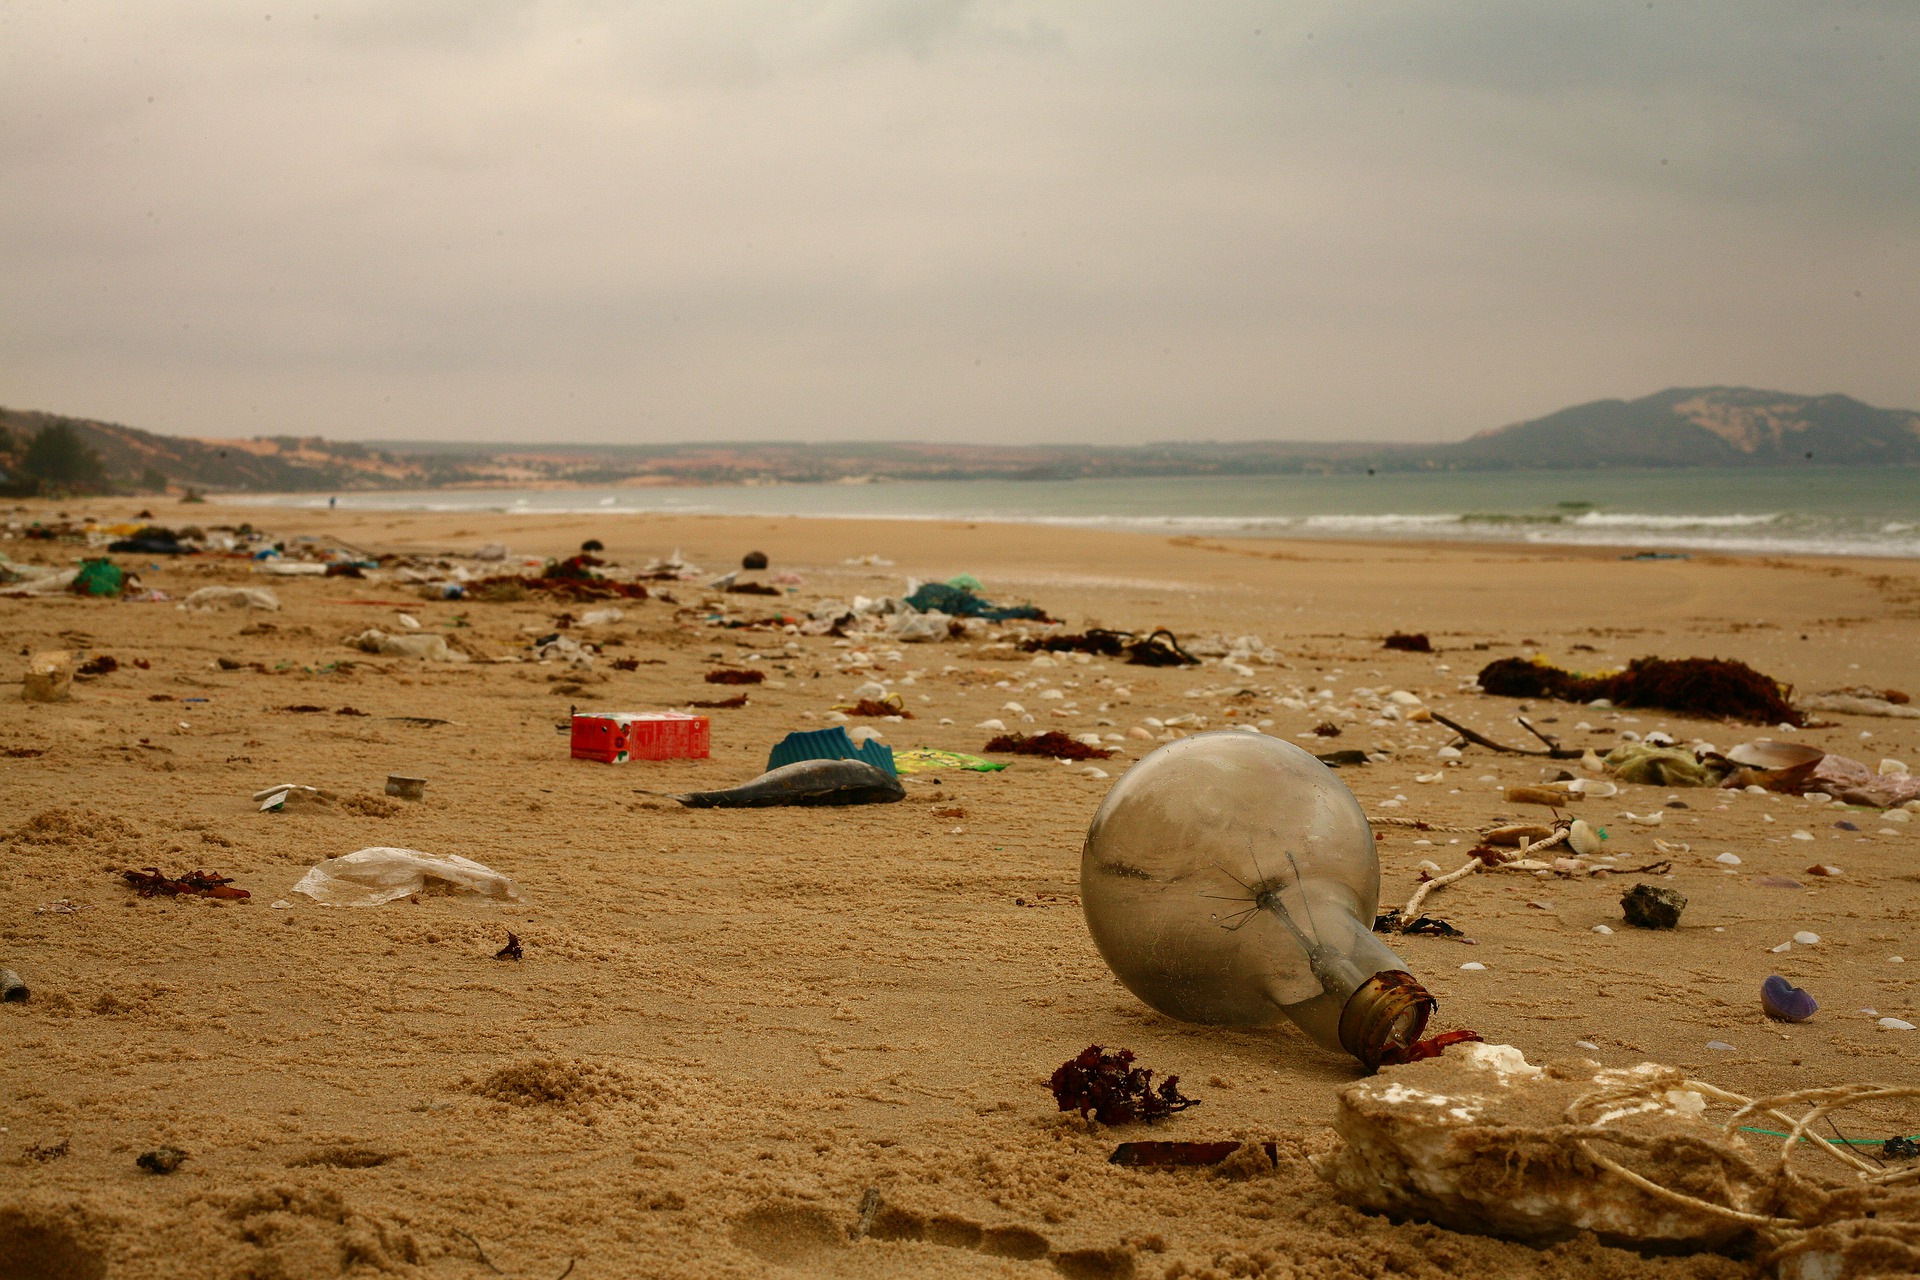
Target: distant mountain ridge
{"points": [[1702, 427], [1679, 427]]}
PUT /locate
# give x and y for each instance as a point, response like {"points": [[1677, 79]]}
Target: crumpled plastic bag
{"points": [[1651, 766], [369, 877], [918, 628], [432, 647], [232, 598]]}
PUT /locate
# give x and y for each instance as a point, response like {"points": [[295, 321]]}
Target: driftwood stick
{"points": [[1481, 739], [1553, 744], [1412, 910]]}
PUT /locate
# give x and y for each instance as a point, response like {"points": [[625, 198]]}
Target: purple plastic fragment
{"points": [[1785, 1002]]}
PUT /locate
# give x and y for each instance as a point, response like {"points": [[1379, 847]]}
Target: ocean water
{"points": [[1813, 510]]}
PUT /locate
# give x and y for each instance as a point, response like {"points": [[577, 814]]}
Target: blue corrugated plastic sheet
{"points": [[829, 744]]}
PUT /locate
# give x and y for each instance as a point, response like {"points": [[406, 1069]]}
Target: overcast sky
{"points": [[611, 220]]}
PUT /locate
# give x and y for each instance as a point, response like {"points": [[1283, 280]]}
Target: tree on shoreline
{"points": [[58, 456]]}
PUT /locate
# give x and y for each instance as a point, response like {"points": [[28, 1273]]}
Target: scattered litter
{"points": [[1714, 687], [1856, 704], [1651, 907], [1785, 1002], [512, 951], [432, 648], [1342, 759], [161, 1160], [49, 677], [1109, 1088], [810, 782], [13, 988], [98, 577], [616, 737], [1409, 642], [1163, 1155], [370, 877], [232, 598], [406, 788], [927, 759], [831, 744], [204, 884], [959, 602], [275, 799], [1053, 743]]}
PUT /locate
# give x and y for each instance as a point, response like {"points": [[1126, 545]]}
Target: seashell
{"points": [[1785, 1002], [1583, 839], [1645, 819], [1595, 787]]}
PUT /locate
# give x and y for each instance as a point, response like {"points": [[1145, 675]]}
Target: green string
{"points": [[1851, 1142]]}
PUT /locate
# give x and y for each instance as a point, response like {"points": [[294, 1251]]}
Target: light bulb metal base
{"points": [[1384, 1016]]}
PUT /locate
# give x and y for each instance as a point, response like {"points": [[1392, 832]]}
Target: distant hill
{"points": [[1681, 427], [1700, 427]]}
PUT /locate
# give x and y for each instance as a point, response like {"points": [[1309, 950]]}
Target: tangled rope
{"points": [[1784, 1234]]}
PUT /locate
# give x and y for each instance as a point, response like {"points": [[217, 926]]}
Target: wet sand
{"points": [[730, 1026]]}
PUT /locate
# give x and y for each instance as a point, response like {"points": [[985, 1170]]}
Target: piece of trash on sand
{"points": [[277, 798], [370, 877], [161, 1160], [406, 788], [616, 737], [202, 884], [13, 988], [928, 759], [810, 782], [232, 598], [49, 677], [1855, 704], [1785, 1002], [1647, 906], [1347, 759], [1895, 1024], [1711, 687], [513, 949], [425, 645], [1223, 880], [829, 744], [1187, 1155], [1053, 742], [1109, 1088], [1479, 1140]]}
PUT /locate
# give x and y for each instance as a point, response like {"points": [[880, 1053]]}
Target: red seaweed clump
{"points": [[1108, 1087], [736, 675], [1051, 743]]}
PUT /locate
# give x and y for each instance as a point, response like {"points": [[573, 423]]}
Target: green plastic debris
{"points": [[99, 578], [927, 759]]}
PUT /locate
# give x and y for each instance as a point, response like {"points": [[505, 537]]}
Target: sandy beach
{"points": [[729, 1027]]}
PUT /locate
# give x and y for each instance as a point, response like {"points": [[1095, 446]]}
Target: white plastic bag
{"points": [[421, 644], [232, 598], [370, 877]]}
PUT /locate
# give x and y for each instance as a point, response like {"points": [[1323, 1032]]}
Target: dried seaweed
{"points": [[1095, 640], [736, 675], [720, 704], [206, 884], [1108, 1087], [512, 951], [1408, 642], [1051, 743], [105, 664], [1161, 649], [1434, 926], [505, 588], [1716, 687], [752, 589]]}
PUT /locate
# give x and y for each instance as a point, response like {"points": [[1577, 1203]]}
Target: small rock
{"points": [[1650, 907], [161, 1160], [1728, 859], [1603, 929], [1806, 938], [1802, 835]]}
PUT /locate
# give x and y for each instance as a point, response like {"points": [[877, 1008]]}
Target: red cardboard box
{"points": [[615, 737]]}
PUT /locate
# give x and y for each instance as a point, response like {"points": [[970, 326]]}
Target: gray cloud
{"points": [[587, 220]]}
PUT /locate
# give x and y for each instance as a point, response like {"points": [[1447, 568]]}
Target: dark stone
{"points": [[754, 560], [1648, 907]]}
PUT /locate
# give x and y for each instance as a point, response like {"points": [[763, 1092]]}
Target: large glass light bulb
{"points": [[1229, 878]]}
